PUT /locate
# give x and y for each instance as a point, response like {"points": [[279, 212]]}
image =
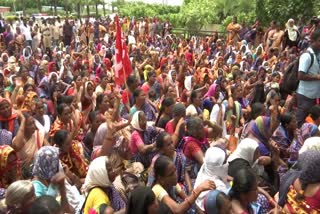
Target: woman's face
{"points": [[167, 148], [275, 101], [65, 117], [170, 177], [141, 98], [78, 81], [293, 124], [197, 100], [30, 126], [104, 106], [142, 121], [90, 89], [171, 92], [174, 76], [168, 110], [5, 109]]}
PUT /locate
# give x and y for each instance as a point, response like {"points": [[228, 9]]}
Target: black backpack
{"points": [[290, 81]]}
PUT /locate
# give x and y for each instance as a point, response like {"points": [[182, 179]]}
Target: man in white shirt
{"points": [[26, 31]]}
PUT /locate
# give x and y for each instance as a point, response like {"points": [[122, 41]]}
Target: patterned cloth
{"points": [[75, 160], [306, 131], [301, 207], [260, 129], [46, 163], [5, 152]]}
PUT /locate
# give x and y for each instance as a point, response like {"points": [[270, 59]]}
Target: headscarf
{"points": [[210, 202], [260, 129], [27, 104], [170, 77], [188, 83], [245, 150], [292, 31], [11, 119], [211, 91], [46, 163], [135, 121], [214, 169], [139, 200], [311, 144], [5, 152], [97, 175]]}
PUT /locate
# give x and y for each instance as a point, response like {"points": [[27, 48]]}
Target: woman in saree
{"points": [[10, 169], [70, 154], [98, 187], [142, 143], [304, 193], [63, 121], [27, 142], [165, 147], [9, 124]]}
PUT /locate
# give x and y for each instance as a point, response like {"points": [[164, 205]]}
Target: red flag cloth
{"points": [[122, 66]]}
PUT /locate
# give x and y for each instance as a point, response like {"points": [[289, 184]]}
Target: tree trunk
{"points": [[97, 13], [79, 10], [104, 8], [39, 5], [55, 7], [88, 10]]}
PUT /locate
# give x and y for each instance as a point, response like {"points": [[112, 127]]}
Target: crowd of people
{"points": [[206, 124]]}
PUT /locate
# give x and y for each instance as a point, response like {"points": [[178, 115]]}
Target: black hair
{"points": [[92, 116], [150, 74], [315, 112], [61, 107], [131, 80], [286, 118], [160, 139], [65, 99], [166, 102], [258, 95], [45, 205], [193, 125], [60, 137], [193, 95], [256, 110], [26, 86], [160, 166], [99, 100], [243, 182], [137, 92]]}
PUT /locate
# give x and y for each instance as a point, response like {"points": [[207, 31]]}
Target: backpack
{"points": [[290, 81]]}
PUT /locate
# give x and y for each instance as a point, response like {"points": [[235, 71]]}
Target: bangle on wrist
{"points": [[194, 193]]}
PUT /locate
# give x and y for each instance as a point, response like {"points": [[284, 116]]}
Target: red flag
{"points": [[123, 65]]}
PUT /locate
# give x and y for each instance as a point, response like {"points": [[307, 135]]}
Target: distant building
{"points": [[4, 10]]}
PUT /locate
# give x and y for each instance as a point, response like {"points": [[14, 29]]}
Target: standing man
{"points": [[46, 35], [233, 32], [309, 86], [67, 33]]}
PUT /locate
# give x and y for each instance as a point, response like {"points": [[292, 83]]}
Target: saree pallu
{"points": [[75, 160], [295, 206]]}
